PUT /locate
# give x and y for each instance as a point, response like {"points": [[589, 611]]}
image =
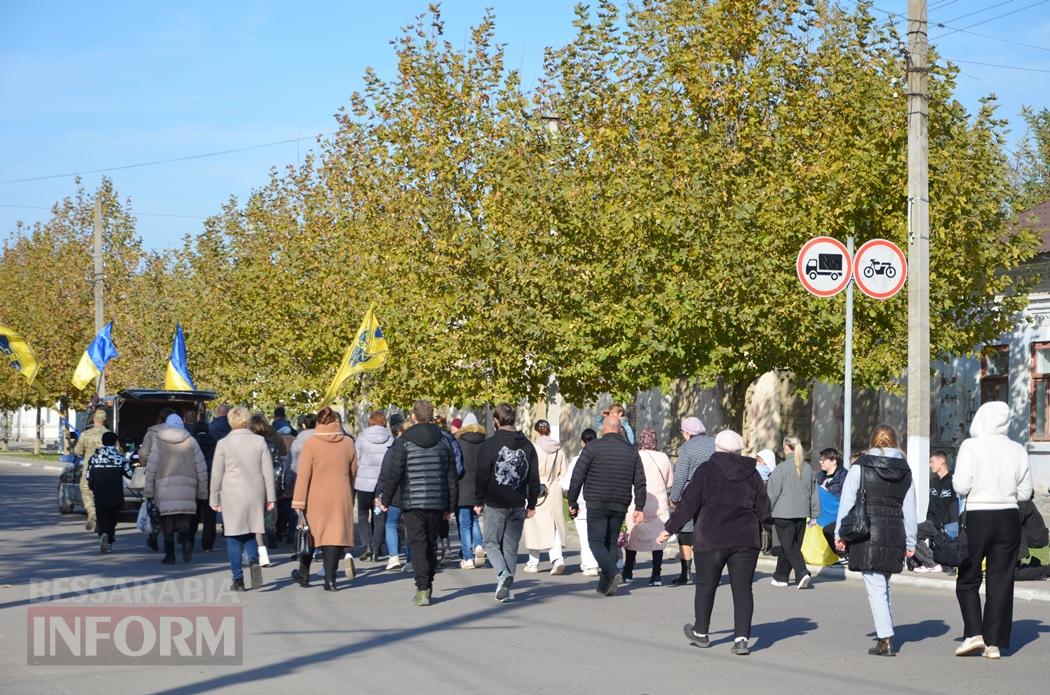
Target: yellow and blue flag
{"points": [[19, 355], [94, 359], [368, 352], [177, 377]]}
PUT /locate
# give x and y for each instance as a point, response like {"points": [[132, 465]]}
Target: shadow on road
{"points": [[917, 632], [1025, 632]]}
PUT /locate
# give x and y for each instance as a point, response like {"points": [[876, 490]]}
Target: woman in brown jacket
{"points": [[324, 491]]}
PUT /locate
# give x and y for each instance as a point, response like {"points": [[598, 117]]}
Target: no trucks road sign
{"points": [[824, 266]]}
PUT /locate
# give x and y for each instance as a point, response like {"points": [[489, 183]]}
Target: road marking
{"points": [[53, 468]]}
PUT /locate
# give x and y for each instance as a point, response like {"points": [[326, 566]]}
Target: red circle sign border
{"points": [[904, 268], [846, 276]]}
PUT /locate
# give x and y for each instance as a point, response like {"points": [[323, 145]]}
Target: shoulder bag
{"points": [[856, 524]]}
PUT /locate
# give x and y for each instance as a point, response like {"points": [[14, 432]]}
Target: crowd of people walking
{"points": [[353, 500]]}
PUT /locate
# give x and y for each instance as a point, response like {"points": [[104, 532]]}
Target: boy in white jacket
{"points": [[992, 475]]}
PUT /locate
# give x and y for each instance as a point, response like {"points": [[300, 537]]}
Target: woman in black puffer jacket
{"points": [[891, 511]]}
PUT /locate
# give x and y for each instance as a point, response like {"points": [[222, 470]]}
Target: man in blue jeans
{"points": [[506, 488], [610, 468]]}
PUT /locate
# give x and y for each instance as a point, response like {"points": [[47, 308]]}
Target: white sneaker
{"points": [[774, 582], [531, 568], [804, 582], [558, 567], [466, 564], [590, 571], [923, 569], [991, 652], [393, 563], [970, 645], [479, 553]]}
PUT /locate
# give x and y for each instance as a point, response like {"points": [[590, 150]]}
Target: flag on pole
{"points": [[368, 352], [94, 359], [19, 355], [177, 377]]}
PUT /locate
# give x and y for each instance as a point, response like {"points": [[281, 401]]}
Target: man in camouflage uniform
{"points": [[85, 448]]}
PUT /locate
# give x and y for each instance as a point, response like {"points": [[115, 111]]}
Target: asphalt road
{"points": [[558, 635]]}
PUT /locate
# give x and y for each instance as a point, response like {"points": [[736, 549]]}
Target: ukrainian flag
{"points": [[178, 375], [94, 359], [368, 352], [19, 355]]}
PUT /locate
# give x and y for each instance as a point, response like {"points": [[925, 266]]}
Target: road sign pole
{"points": [[847, 382]]}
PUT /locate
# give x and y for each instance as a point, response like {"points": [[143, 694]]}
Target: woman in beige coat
{"points": [[643, 536], [324, 491], [545, 531], [242, 490], [176, 477]]}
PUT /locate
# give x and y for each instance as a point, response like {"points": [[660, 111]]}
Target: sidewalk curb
{"points": [[908, 579]]}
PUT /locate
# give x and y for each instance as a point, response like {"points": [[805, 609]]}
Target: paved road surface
{"points": [[557, 636]]}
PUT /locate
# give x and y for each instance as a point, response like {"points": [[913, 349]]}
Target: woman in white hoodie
{"points": [[545, 531], [992, 475], [371, 447]]}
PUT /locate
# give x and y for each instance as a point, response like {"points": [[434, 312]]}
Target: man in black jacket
{"points": [[609, 467], [506, 487], [941, 515], [422, 468]]}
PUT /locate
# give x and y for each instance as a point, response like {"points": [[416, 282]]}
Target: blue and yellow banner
{"points": [[177, 377], [18, 354], [368, 352], [94, 359]]}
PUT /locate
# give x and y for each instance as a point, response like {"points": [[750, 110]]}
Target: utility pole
{"points": [[918, 254], [98, 286]]}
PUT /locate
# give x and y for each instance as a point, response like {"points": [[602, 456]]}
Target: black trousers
{"points": [[631, 556], [603, 528], [106, 521], [421, 528], [709, 566], [790, 532], [995, 536], [927, 531], [330, 555], [205, 520]]}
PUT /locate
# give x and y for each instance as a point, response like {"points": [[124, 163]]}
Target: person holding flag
{"points": [[368, 352], [177, 378], [91, 366]]}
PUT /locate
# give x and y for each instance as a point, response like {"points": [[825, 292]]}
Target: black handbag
{"points": [[951, 552], [856, 524], [304, 544]]}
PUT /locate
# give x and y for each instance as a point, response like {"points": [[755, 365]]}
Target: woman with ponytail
{"points": [[793, 496], [890, 502]]}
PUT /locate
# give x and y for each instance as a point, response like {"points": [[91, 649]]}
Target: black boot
{"points": [[683, 578], [302, 575], [151, 541], [331, 555], [169, 550], [883, 647]]}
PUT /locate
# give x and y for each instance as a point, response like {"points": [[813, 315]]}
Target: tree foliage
{"points": [[632, 221]]}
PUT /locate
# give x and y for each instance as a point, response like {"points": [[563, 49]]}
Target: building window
{"points": [[1040, 427], [995, 375]]}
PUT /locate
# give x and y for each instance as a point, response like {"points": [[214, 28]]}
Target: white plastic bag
{"points": [[264, 556], [143, 523]]}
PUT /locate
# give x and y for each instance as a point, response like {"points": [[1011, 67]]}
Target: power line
{"points": [[162, 161], [983, 9], [995, 38], [134, 214], [1005, 67], [977, 24]]}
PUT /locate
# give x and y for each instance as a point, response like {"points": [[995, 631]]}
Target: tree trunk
{"points": [[39, 432], [5, 430]]}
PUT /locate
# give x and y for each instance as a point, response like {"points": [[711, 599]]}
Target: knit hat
{"points": [[767, 457], [693, 426], [470, 419], [457, 422], [729, 441], [174, 420]]}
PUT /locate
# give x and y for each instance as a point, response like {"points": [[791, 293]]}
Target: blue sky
{"points": [[96, 85]]}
